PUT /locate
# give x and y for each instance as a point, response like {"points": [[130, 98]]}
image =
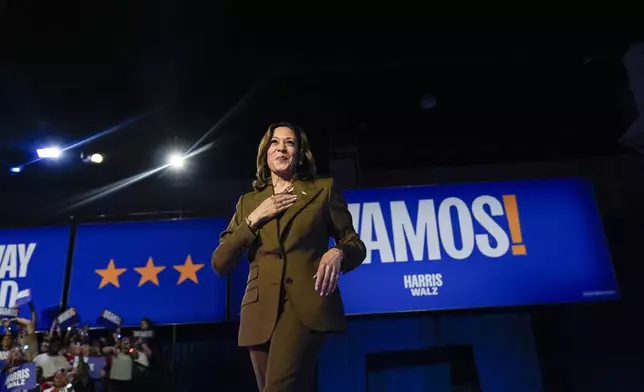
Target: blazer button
{"points": [[289, 281], [279, 256]]}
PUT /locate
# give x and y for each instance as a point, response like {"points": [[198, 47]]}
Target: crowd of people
{"points": [[77, 359]]}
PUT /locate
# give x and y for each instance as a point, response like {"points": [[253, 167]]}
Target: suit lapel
{"points": [[306, 192], [268, 230]]}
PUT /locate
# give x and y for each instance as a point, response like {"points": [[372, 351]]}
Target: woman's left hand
{"points": [[326, 279]]}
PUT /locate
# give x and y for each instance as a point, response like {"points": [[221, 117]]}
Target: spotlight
{"points": [[16, 169], [50, 152], [96, 158], [176, 161]]}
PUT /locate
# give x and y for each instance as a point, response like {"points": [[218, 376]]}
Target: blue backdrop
{"points": [[503, 347], [474, 245], [33, 259], [159, 270]]}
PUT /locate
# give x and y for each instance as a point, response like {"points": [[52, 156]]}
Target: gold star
{"points": [[110, 275], [188, 270], [149, 273]]}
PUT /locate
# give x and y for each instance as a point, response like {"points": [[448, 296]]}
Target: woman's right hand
{"points": [[270, 208]]}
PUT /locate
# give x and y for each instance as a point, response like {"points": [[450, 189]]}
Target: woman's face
{"points": [[60, 379], [6, 342], [44, 347], [144, 325], [85, 350], [16, 354], [282, 151]]}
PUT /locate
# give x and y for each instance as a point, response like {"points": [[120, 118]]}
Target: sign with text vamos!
{"points": [[34, 259], [478, 245], [160, 270]]}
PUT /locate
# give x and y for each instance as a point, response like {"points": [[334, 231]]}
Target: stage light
{"points": [[96, 158], [176, 161], [50, 152], [16, 169]]}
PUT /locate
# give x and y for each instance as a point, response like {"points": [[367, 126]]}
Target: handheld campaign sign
{"points": [[159, 270], [23, 298], [68, 318], [474, 245], [109, 319], [143, 335], [33, 258], [95, 364], [21, 379], [9, 313]]}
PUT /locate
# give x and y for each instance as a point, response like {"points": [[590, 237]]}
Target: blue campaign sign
{"points": [[95, 364], [21, 378], [32, 266], [160, 270], [474, 245]]}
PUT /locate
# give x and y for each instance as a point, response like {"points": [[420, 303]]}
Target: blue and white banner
{"points": [[9, 313], [474, 245], [147, 334], [109, 319], [95, 364], [23, 298], [159, 270], [21, 378], [33, 259], [68, 318]]}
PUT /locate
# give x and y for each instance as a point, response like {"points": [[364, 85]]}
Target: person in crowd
{"points": [[27, 333], [15, 359], [44, 346], [145, 324], [82, 381], [284, 225], [120, 365], [53, 361], [95, 348], [6, 346], [142, 376], [60, 383], [40, 380]]}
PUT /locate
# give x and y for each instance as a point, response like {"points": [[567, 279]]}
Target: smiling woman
{"points": [[291, 302], [279, 147]]}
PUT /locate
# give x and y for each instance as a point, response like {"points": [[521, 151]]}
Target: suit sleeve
{"points": [[232, 242], [346, 238]]}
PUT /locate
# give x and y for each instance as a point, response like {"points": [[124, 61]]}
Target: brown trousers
{"points": [[287, 362]]}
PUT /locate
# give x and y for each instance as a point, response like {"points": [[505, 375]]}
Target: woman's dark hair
{"points": [[305, 165], [54, 348], [148, 321]]}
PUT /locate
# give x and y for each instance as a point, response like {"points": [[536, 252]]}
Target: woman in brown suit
{"points": [[284, 225]]}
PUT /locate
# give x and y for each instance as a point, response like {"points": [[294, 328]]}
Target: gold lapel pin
{"points": [[304, 193]]}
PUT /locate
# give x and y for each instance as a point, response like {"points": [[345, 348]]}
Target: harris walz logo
{"points": [[420, 285], [489, 226]]}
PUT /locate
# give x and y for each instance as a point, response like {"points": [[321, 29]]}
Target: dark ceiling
{"points": [[68, 73]]}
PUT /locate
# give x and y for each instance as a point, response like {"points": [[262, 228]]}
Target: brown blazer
{"points": [[290, 258]]}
